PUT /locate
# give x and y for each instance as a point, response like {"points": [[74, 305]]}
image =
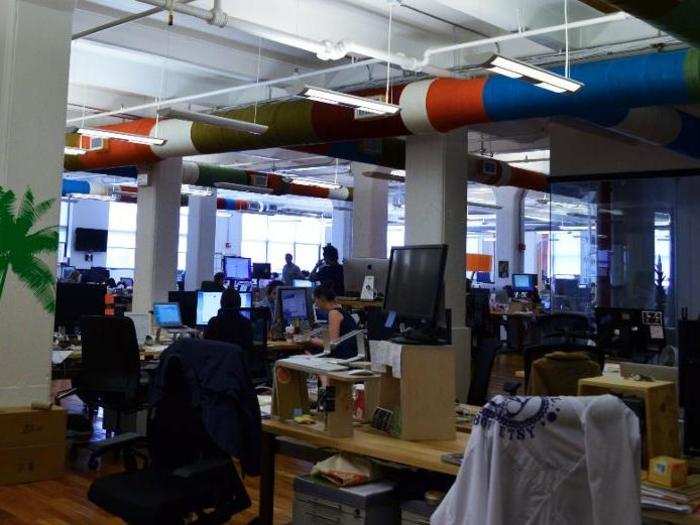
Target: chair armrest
{"points": [[511, 387]]}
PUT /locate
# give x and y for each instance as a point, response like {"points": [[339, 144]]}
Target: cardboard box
{"points": [[32, 444], [668, 472]]}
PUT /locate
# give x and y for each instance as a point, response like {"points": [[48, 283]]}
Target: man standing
{"points": [[290, 271]]}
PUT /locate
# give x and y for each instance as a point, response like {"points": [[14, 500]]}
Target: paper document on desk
{"points": [[386, 353], [58, 356]]}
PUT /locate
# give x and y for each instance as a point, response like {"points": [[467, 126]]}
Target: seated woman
{"points": [[229, 326], [340, 322]]}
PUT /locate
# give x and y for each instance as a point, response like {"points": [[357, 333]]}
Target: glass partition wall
{"points": [[626, 242]]}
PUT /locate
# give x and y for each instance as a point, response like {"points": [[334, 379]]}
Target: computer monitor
{"points": [[167, 315], [262, 271], [294, 303], [188, 306], [66, 271], [302, 283], [483, 277], [524, 282], [90, 240], [76, 300], [208, 305], [128, 282], [355, 270], [415, 284], [237, 268]]}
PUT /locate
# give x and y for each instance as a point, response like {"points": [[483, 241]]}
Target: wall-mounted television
{"points": [[90, 240]]}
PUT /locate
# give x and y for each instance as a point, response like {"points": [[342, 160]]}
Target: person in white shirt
{"points": [[548, 461], [290, 271]]}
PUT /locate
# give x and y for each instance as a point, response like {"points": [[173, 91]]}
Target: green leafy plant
{"points": [[20, 248]]}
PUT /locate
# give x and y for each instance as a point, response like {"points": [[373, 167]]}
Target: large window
{"points": [[268, 238], [121, 242], [394, 237]]}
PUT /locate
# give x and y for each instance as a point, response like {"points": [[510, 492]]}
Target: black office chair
{"points": [[482, 365], [565, 328], [187, 474]]}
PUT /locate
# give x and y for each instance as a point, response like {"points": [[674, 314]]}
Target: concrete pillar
{"points": [[436, 203], [341, 229], [201, 240], [508, 231], [87, 214], [34, 57], [370, 213], [157, 230]]}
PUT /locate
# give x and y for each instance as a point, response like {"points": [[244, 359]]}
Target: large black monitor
{"points": [[76, 300], [524, 282], [90, 240], [262, 270], [415, 282], [188, 305], [237, 268]]}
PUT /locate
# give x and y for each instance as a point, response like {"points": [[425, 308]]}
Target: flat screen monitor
{"points": [[90, 240], [66, 271], [294, 303], [75, 300], [237, 268], [188, 306], [483, 277], [167, 315], [262, 270], [415, 283], [524, 282], [208, 305], [302, 283], [355, 270]]}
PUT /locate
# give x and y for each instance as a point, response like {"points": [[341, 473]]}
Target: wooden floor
{"points": [[64, 502]]}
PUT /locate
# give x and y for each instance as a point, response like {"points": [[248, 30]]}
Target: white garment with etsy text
{"points": [[548, 461]]}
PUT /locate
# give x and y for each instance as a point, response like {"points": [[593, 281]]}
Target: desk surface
{"points": [[289, 346], [368, 442], [358, 304]]}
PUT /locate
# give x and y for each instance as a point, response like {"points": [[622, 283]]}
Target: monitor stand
{"points": [[418, 336]]}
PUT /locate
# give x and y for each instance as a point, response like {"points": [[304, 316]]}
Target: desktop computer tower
{"points": [[688, 374]]}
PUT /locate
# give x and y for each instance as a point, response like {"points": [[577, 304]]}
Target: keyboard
{"points": [[317, 363]]}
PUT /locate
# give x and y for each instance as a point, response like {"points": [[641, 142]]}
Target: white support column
{"points": [[157, 230], [341, 230], [436, 203], [201, 240], [370, 213], [509, 231], [34, 58]]}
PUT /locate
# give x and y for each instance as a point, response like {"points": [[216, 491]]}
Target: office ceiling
{"points": [[148, 60]]}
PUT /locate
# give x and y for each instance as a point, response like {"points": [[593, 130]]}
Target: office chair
{"points": [[111, 375], [533, 353], [563, 327], [482, 366], [186, 474]]}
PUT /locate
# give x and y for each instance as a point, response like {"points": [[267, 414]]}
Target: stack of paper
{"points": [[683, 499]]}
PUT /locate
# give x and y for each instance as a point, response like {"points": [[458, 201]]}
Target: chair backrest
{"points": [[482, 365], [533, 353], [110, 355], [564, 326]]}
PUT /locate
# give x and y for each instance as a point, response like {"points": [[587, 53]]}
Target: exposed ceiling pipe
{"points": [[125, 193], [122, 21], [213, 176], [678, 18], [429, 106], [325, 49]]}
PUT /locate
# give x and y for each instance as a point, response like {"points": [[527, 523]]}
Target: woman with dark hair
{"points": [[229, 326], [329, 271], [340, 322]]}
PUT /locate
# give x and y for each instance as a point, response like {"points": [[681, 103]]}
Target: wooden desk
{"points": [[365, 441], [289, 347], [355, 303]]}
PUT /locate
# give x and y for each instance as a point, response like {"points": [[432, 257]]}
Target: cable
{"points": [[257, 83]]}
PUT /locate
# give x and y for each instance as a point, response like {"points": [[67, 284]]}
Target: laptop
{"points": [[168, 317]]}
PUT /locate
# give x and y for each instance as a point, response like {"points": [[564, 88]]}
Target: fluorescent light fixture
{"points": [[541, 78], [70, 150], [337, 98], [120, 135], [214, 120]]}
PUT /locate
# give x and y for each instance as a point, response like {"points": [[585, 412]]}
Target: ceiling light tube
{"points": [[120, 135], [70, 150], [214, 120], [540, 77], [352, 101]]}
